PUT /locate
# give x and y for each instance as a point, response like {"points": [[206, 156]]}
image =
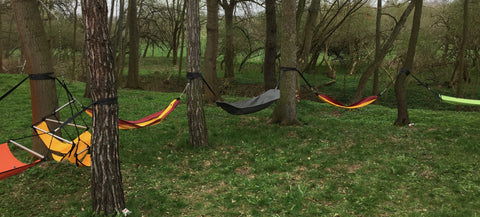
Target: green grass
{"points": [[337, 163]]}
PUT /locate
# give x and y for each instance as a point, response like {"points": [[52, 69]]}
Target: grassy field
{"points": [[337, 163]]}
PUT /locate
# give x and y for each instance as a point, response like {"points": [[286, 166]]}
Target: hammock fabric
{"points": [[459, 101], [150, 120], [9, 165], [448, 99], [363, 102], [251, 105], [76, 151]]}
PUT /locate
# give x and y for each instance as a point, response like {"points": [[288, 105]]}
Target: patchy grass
{"points": [[337, 163]]}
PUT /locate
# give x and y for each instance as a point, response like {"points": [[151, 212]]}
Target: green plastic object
{"points": [[459, 101]]}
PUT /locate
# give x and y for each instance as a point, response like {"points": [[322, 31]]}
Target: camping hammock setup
{"points": [[447, 99], [361, 103], [254, 104], [10, 165], [149, 120], [76, 150], [251, 105]]}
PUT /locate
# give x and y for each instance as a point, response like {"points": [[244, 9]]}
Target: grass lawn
{"points": [[337, 163]]}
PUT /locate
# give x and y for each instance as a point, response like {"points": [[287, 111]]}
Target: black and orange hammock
{"points": [[10, 165], [149, 120], [325, 98]]}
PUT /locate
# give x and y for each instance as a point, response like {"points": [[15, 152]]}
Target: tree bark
{"points": [[106, 179], [132, 81], [385, 48], [378, 45], [211, 51], [306, 43], [285, 112], [270, 45], [229, 45], [460, 74], [196, 115], [400, 90], [37, 53]]}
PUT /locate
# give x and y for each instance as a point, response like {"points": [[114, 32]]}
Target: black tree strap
{"points": [[11, 90], [403, 70], [195, 75], [301, 75], [43, 76]]}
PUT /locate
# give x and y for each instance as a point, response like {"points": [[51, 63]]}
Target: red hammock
{"points": [[150, 120], [9, 165], [363, 102]]}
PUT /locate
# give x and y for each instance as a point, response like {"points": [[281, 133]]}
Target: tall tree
{"points": [[378, 45], [460, 73], [134, 43], [196, 115], [106, 179], [306, 43], [270, 45], [37, 53], [400, 90], [229, 53], [379, 58], [211, 50], [285, 112]]}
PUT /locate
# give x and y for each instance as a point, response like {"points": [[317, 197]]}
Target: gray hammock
{"points": [[251, 105]]}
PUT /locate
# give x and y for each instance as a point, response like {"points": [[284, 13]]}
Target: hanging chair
{"points": [[75, 151], [251, 105], [10, 165]]}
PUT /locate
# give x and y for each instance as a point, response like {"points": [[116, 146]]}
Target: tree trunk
{"points": [[117, 43], [460, 74], [385, 48], [74, 44], [229, 47], [285, 112], [37, 53], [211, 50], [299, 15], [132, 81], [400, 90], [378, 45], [196, 115], [306, 43], [270, 45], [106, 178]]}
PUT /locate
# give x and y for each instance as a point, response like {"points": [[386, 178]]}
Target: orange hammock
{"points": [[10, 165], [363, 102], [150, 120]]}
